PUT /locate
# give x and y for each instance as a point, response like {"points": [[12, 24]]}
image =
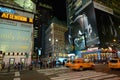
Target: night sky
{"points": [[59, 7]]}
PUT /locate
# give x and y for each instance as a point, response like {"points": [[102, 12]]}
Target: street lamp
{"points": [[54, 45], [56, 40], [49, 39], [114, 40]]}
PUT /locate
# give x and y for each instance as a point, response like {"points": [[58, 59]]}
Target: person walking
{"points": [[9, 67], [15, 66], [0, 67]]}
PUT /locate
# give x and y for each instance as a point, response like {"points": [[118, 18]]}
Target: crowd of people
{"points": [[41, 64], [47, 63], [16, 66]]}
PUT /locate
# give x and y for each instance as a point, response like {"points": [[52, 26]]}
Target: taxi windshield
{"points": [[113, 61]]}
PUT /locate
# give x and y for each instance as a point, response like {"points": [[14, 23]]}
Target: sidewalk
{"points": [[55, 68], [5, 71]]}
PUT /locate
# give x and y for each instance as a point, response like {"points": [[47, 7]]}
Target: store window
{"points": [[11, 61], [22, 60]]}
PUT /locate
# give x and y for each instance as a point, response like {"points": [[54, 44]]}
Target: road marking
{"points": [[65, 74], [115, 78], [17, 74], [16, 79], [106, 76], [53, 71], [78, 76]]}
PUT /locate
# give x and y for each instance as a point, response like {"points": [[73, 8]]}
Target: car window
{"points": [[113, 61]]}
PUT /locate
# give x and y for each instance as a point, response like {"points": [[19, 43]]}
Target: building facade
{"points": [[42, 21], [55, 40], [16, 31], [86, 34]]}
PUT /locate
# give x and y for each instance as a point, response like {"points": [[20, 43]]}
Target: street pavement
{"points": [[78, 75], [61, 73]]}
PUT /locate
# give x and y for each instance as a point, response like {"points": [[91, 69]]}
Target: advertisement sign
{"points": [[15, 17], [7, 10], [28, 5], [84, 28], [15, 36]]}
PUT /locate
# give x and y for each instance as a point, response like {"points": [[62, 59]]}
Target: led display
{"points": [[15, 36]]}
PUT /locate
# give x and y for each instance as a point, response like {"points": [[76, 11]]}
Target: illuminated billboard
{"points": [[16, 17], [15, 36], [84, 29], [26, 5]]}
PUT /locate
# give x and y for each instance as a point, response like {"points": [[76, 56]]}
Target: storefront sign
{"points": [[16, 17], [2, 9]]}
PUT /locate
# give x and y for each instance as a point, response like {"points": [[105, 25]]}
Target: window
{"points": [[113, 61]]}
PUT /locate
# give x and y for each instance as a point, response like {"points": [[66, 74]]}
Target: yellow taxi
{"points": [[114, 63], [81, 64], [68, 63]]}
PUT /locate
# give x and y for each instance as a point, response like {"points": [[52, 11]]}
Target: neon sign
{"points": [[16, 17], [2, 9]]}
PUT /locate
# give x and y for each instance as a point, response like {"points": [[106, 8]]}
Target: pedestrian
{"points": [[41, 64], [15, 66], [0, 67], [3, 65], [30, 67], [19, 66], [63, 62], [8, 67]]}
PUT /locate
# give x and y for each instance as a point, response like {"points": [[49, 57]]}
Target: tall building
{"points": [[91, 26], [42, 21], [55, 39], [16, 30]]}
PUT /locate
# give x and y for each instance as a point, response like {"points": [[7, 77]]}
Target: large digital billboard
{"points": [[15, 36], [84, 28]]}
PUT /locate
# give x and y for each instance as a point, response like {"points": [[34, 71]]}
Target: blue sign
{"points": [[2, 9]]}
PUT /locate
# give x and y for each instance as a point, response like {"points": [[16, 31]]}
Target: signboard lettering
{"points": [[16, 17]]}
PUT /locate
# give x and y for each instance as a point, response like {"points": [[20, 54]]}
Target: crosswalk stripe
{"points": [[16, 79], [74, 73], [17, 74], [51, 72], [72, 77], [88, 76], [115, 78], [64, 74], [51, 69], [105, 76]]}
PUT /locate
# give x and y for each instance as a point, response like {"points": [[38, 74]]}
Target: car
{"points": [[68, 63], [114, 63], [81, 64], [60, 61]]}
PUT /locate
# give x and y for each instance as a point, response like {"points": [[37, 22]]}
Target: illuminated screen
{"points": [[15, 36], [85, 25]]}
